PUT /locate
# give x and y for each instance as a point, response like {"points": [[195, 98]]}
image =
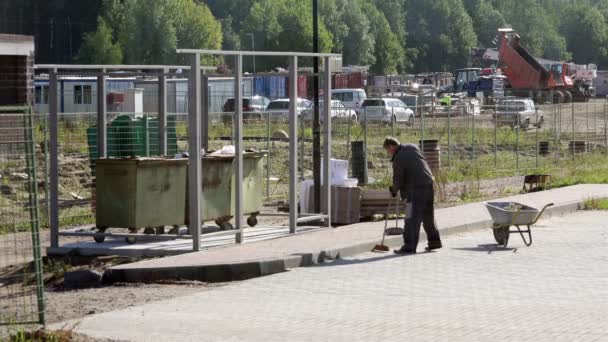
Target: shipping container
{"points": [[270, 86], [302, 87], [355, 80], [339, 81]]}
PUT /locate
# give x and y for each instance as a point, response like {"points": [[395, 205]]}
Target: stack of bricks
{"points": [[16, 70]]}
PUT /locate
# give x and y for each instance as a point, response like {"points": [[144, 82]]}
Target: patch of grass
{"points": [[596, 204], [42, 335]]}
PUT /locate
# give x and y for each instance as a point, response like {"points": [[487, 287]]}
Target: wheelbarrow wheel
{"points": [[501, 235], [252, 221]]}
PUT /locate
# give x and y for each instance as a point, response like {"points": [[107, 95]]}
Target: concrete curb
{"points": [[253, 269]]}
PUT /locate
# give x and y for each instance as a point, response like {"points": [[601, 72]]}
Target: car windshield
{"points": [[342, 96], [258, 101], [373, 103], [512, 106]]}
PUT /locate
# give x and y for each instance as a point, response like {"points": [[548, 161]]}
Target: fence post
{"points": [[393, 121], [293, 143], [101, 116], [268, 156], [587, 132], [473, 135], [449, 136], [327, 141], [162, 114], [348, 138], [238, 146], [194, 142], [537, 129], [495, 139], [517, 145], [573, 133], [54, 160], [606, 127]]}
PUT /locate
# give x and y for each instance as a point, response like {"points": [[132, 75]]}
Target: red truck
{"points": [[527, 77]]}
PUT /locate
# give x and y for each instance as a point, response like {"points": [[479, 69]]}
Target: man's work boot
{"points": [[404, 251], [433, 245]]}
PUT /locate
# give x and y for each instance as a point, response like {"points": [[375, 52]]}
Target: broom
{"points": [[381, 248]]}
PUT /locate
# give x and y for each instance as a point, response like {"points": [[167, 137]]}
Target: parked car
{"points": [[387, 110], [252, 108], [338, 112], [351, 98], [279, 109], [518, 111]]}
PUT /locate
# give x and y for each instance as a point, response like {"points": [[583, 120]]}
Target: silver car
{"points": [[279, 109], [518, 112], [387, 110], [338, 112]]}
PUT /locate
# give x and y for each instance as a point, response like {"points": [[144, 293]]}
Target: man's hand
{"points": [[392, 191]]}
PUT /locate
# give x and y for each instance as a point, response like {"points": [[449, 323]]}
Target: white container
{"points": [[338, 171], [349, 183]]}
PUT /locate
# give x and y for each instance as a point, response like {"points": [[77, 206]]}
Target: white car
{"points": [[338, 112], [279, 109], [386, 110], [350, 98]]}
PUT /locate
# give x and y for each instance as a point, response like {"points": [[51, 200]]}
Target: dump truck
{"points": [[527, 77]]}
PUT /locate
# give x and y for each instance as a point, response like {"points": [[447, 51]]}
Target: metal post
{"points": [[238, 146], [587, 133], [293, 144], [268, 156], [101, 116], [473, 135], [421, 121], [195, 163], [495, 140], [146, 135], [605, 128], [393, 121], [517, 145], [162, 114], [449, 137], [573, 134], [54, 161], [537, 129], [205, 112], [316, 125], [327, 141]]}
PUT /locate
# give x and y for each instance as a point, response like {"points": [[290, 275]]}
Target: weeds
{"points": [[595, 204]]}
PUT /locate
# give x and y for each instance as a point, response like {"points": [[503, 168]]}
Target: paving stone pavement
{"points": [[555, 290]]}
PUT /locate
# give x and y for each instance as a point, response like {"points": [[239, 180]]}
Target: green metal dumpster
{"points": [[140, 193], [218, 195]]}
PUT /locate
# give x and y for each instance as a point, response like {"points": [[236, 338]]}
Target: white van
{"points": [[351, 98]]}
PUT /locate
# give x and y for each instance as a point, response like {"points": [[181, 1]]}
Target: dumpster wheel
{"points": [[131, 240], [149, 230], [252, 220], [226, 226], [100, 239]]}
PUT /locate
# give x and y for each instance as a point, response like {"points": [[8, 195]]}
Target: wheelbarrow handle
{"points": [[542, 211]]}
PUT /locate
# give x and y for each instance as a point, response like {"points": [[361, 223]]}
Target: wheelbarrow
{"points": [[507, 214]]}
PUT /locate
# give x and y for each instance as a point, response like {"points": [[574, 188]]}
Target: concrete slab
{"points": [[152, 248], [237, 262]]}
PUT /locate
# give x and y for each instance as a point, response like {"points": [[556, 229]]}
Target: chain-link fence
{"points": [[21, 283]]}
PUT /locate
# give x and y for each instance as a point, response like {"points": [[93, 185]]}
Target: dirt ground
{"points": [[67, 305]]}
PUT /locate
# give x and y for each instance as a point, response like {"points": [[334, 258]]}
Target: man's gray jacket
{"points": [[410, 170]]}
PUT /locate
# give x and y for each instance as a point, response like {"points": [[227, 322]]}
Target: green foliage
{"points": [[442, 33], [282, 25], [583, 20], [98, 47], [388, 52]]}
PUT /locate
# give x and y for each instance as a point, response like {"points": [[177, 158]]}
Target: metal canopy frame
{"points": [[196, 112]]}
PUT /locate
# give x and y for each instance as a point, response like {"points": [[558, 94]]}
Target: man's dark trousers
{"points": [[421, 212]]}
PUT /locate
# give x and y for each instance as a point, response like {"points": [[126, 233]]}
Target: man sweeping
{"points": [[413, 180]]}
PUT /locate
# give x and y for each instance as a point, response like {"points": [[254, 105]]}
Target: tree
{"points": [[98, 48], [395, 14], [388, 52], [486, 21], [151, 31], [283, 25], [442, 33], [536, 27], [583, 20], [359, 43]]}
